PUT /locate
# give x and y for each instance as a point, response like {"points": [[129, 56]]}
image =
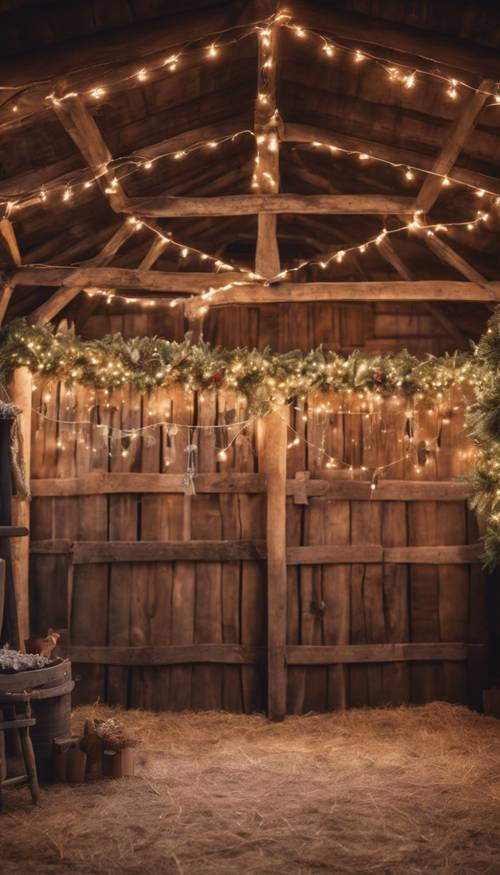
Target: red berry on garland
{"points": [[378, 375], [218, 377]]}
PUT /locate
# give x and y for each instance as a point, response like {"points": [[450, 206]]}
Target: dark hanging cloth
{"points": [[9, 631]]}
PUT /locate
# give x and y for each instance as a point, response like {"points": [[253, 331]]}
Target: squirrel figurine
{"points": [[42, 646]]}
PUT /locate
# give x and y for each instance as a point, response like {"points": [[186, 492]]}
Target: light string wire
{"points": [[170, 62], [40, 194], [281, 17], [393, 69]]}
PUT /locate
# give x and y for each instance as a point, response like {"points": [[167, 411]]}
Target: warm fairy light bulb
{"points": [[409, 174], [263, 98], [222, 456], [358, 56], [328, 50], [212, 51], [362, 248], [212, 144], [43, 194], [409, 81], [68, 193], [480, 192], [142, 74], [445, 181], [452, 89], [98, 92], [184, 252], [15, 108], [147, 165], [363, 156], [340, 255], [299, 31], [180, 154]]}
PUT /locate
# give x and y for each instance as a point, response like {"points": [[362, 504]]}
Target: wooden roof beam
{"points": [[65, 294], [267, 160], [384, 34], [448, 255], [250, 291], [387, 250], [112, 59], [453, 145], [9, 238], [80, 125], [308, 134], [251, 204]]}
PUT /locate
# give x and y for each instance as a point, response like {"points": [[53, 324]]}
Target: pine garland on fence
{"points": [[268, 380]]}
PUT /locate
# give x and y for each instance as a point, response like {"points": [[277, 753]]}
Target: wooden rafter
{"points": [[387, 250], [400, 38], [65, 294], [244, 205], [447, 254], [453, 144], [79, 124], [309, 134], [119, 57], [9, 237]]}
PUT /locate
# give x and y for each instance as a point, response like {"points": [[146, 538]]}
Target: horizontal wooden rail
{"points": [[101, 483], [163, 654], [387, 490], [319, 554], [250, 654], [252, 204], [350, 653], [89, 552]]}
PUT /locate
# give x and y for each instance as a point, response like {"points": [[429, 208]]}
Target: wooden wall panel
{"points": [[212, 603]]}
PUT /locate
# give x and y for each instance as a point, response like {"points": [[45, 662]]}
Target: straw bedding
{"points": [[411, 790]]}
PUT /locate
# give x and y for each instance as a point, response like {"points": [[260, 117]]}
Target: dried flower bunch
{"points": [[13, 660]]}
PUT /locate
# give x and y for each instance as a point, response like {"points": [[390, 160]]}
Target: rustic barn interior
{"points": [[250, 436]]}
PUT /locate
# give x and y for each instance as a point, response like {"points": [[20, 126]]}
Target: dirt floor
{"points": [[384, 791]]}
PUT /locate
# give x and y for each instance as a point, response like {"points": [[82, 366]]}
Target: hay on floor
{"points": [[411, 790]]}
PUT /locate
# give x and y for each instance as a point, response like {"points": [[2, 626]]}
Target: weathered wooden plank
{"points": [[100, 482], [453, 142], [366, 553], [367, 653], [170, 654], [251, 204], [152, 551], [267, 159]]}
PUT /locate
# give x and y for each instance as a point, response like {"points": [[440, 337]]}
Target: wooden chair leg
{"points": [[29, 763]]}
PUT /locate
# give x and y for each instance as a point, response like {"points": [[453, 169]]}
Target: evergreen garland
{"points": [[265, 378]]}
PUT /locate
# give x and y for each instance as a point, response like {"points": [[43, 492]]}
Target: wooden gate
{"points": [[285, 575]]}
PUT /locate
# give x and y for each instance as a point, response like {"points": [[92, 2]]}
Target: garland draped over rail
{"points": [[268, 380], [265, 378]]}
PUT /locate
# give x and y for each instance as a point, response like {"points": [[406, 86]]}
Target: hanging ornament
{"points": [[188, 480]]}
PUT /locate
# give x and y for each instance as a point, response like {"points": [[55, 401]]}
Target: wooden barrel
{"points": [[50, 693]]}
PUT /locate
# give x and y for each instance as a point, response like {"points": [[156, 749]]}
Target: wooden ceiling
{"points": [[206, 200]]}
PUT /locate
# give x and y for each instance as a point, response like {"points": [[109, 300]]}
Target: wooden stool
{"points": [[19, 725]]}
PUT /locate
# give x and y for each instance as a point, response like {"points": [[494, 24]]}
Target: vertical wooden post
{"points": [[274, 465], [21, 389], [267, 160]]}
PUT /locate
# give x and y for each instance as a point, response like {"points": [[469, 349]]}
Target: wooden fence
{"points": [[279, 580]]}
